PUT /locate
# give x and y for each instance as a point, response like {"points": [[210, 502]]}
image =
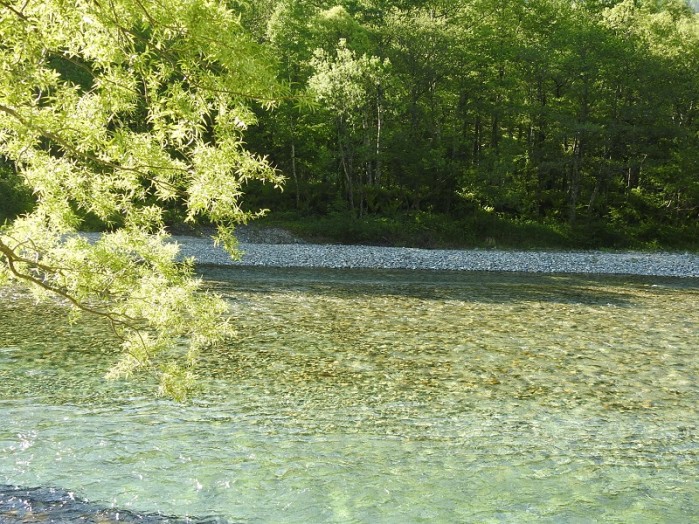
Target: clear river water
{"points": [[371, 396]]}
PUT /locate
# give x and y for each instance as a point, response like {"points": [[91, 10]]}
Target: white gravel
{"points": [[344, 256], [277, 248]]}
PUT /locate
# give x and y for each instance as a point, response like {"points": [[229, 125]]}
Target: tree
{"points": [[290, 36], [120, 109], [351, 88]]}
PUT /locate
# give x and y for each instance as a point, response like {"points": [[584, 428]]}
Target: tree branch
{"points": [[68, 148], [15, 11], [12, 259]]}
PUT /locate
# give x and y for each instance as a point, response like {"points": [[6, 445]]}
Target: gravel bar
{"points": [[377, 257]]}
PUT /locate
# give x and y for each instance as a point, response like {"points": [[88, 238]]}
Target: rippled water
{"points": [[365, 396]]}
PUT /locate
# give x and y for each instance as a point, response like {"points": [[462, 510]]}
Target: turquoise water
{"points": [[378, 396]]}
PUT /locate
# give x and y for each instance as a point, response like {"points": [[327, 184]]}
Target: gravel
{"points": [[272, 247], [295, 254]]}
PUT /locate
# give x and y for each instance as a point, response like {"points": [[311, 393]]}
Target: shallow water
{"points": [[378, 396]]}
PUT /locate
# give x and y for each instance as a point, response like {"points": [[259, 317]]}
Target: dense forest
{"points": [[581, 116], [577, 113]]}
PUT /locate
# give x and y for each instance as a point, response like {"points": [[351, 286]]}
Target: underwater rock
{"points": [[51, 505]]}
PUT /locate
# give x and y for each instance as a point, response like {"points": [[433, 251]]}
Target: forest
{"points": [[562, 122], [579, 115]]}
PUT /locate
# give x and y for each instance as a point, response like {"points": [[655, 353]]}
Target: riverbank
{"points": [[257, 253], [273, 247]]}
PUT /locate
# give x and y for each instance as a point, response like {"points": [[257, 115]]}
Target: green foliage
{"points": [[543, 111], [15, 197], [428, 230], [122, 111], [346, 84]]}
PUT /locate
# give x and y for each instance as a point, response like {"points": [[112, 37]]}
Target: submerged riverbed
{"points": [[378, 396]]}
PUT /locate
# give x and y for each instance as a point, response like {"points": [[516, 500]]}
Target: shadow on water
{"points": [[20, 505], [471, 286]]}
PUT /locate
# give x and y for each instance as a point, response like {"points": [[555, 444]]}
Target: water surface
{"points": [[378, 396]]}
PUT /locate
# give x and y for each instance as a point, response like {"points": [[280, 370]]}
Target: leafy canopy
{"points": [[121, 108]]}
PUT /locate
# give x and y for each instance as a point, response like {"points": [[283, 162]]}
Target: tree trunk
{"points": [[574, 179], [346, 163], [477, 141], [294, 173], [379, 123]]}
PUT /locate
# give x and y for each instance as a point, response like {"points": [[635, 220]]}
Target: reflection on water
{"points": [[365, 396]]}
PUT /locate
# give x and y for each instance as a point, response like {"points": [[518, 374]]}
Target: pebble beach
{"points": [[277, 248]]}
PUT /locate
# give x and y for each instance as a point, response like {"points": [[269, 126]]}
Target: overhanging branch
{"points": [[11, 261]]}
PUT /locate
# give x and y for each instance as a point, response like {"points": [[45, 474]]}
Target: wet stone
{"points": [[20, 505]]}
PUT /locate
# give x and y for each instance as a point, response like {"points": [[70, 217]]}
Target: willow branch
{"points": [[68, 148], [174, 62], [14, 10], [23, 260], [12, 259]]}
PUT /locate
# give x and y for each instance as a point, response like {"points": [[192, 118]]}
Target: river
{"points": [[375, 396]]}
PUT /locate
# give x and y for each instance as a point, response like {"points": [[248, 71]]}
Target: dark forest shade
{"points": [[553, 111]]}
